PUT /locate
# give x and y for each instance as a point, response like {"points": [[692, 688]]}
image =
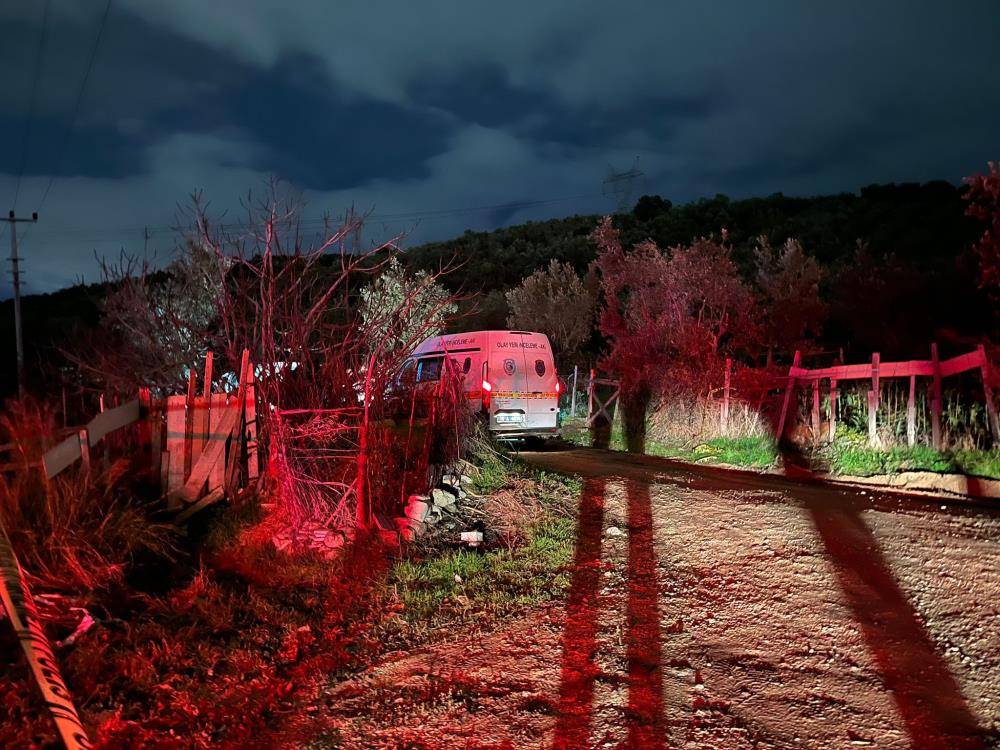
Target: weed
{"points": [[463, 585]]}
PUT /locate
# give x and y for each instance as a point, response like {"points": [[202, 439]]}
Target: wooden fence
{"points": [[933, 368], [202, 445]]}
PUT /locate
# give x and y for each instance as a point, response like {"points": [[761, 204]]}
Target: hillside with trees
{"points": [[902, 254]]}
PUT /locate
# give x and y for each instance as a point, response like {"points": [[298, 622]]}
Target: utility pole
{"points": [[16, 273]]}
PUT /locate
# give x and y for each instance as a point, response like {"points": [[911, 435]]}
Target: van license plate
{"points": [[509, 418]]}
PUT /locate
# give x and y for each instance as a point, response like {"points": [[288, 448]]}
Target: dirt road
{"points": [[711, 610]]}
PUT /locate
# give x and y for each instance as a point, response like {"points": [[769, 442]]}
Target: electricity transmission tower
{"points": [[621, 185], [15, 270]]}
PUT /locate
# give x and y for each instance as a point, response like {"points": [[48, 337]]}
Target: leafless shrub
{"points": [[328, 403]]}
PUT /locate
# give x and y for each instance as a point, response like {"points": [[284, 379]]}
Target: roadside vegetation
{"points": [[527, 518]]}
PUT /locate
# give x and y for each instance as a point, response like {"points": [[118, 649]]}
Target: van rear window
{"points": [[540, 367]]}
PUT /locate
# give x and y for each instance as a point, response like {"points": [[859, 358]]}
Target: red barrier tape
{"points": [[21, 610]]}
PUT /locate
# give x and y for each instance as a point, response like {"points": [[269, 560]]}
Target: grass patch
{"points": [[462, 585], [857, 460], [979, 463], [530, 526], [757, 452]]}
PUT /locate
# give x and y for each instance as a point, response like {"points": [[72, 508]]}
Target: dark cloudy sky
{"points": [[412, 108]]}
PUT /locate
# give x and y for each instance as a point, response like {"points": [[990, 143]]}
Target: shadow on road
{"points": [[644, 713], [929, 699]]}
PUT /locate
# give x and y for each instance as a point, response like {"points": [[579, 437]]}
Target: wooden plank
{"points": [[207, 389], [62, 456], [971, 361], [789, 390], [725, 397], [84, 439], [834, 393], [199, 426], [212, 497], [863, 372], [873, 400], [214, 454], [111, 420], [144, 431], [236, 444], [911, 413], [189, 419], [991, 409], [253, 465], [815, 413], [220, 407], [155, 420], [935, 398], [175, 447]]}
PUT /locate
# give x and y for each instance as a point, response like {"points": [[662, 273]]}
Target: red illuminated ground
{"points": [[713, 611]]}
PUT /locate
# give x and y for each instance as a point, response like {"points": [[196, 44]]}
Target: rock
{"points": [[614, 531], [442, 498], [472, 538], [434, 514], [409, 527], [417, 507]]}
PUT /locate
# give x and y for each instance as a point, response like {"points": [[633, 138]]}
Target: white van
{"points": [[508, 375]]}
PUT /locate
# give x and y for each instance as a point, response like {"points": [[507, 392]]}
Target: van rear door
{"points": [[510, 383], [543, 396]]}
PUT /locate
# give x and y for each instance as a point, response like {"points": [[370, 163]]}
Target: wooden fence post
{"points": [[815, 413], [789, 390], [725, 397], [590, 396], [572, 401], [834, 393], [189, 419], [911, 413], [176, 434], [873, 399], [935, 398], [991, 410], [84, 449], [253, 461], [231, 479]]}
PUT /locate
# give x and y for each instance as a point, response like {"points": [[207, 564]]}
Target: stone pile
{"points": [[428, 510]]}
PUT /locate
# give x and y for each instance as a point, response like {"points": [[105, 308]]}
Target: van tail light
{"points": [[558, 387], [487, 387]]}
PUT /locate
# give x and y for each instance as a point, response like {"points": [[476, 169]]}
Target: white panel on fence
{"points": [[61, 456], [220, 407], [111, 420], [176, 424]]}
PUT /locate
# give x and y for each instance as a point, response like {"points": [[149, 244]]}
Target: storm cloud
{"points": [[411, 110]]}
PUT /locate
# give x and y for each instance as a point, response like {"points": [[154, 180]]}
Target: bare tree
{"points": [[154, 325], [325, 368], [557, 302]]}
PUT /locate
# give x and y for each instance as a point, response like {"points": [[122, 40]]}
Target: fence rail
{"points": [[933, 368], [201, 446]]}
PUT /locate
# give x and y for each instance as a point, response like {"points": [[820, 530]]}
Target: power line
{"points": [[621, 185], [61, 153], [148, 231], [30, 116]]}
